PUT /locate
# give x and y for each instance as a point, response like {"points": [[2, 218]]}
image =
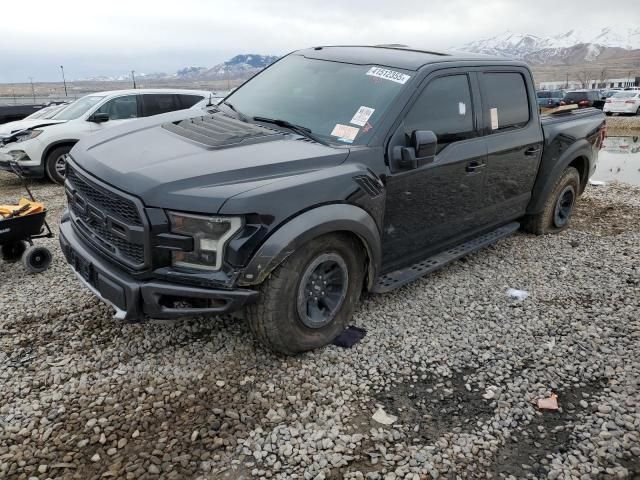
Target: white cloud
{"points": [[150, 35]]}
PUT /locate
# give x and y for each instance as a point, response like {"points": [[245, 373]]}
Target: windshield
{"points": [[78, 108], [544, 94], [576, 96], [624, 94], [339, 102]]}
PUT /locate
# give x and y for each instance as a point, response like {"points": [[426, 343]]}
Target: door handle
{"points": [[531, 151], [473, 167]]}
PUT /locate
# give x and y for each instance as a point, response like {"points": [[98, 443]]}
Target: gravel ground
{"points": [[458, 362], [621, 126]]}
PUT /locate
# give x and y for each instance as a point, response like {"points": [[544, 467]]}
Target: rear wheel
{"points": [[12, 252], [558, 207], [308, 300], [56, 163], [608, 114], [36, 259]]}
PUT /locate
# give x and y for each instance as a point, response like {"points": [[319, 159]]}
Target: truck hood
{"points": [[195, 163]]}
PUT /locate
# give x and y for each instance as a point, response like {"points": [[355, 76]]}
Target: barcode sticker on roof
{"points": [[387, 74]]}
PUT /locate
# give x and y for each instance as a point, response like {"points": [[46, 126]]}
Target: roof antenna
{"points": [[210, 104]]}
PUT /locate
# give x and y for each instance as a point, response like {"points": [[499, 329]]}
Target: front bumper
{"points": [[136, 300], [33, 171]]}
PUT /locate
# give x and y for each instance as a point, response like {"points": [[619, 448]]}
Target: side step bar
{"points": [[398, 278]]}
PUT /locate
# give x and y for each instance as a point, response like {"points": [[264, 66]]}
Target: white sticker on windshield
{"points": [[387, 74], [494, 118], [462, 108], [362, 116], [345, 132]]}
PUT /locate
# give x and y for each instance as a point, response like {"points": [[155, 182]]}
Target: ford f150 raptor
{"points": [[333, 171]]}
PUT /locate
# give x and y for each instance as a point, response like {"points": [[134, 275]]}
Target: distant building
{"points": [[607, 83]]}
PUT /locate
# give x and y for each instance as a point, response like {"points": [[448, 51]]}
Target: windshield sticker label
{"points": [[387, 74], [345, 132], [462, 108], [494, 118], [362, 116]]}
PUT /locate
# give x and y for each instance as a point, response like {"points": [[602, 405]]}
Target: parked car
{"points": [[632, 88], [32, 121], [607, 93], [549, 98], [627, 101], [42, 151], [334, 170], [583, 98]]}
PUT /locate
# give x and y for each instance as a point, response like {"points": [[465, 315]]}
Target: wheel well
{"points": [[369, 269], [63, 143], [582, 165]]}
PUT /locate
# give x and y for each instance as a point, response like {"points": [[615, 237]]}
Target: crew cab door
{"points": [[514, 142], [435, 202]]}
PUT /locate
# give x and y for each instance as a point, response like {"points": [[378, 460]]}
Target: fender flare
{"points": [[311, 224], [57, 143], [551, 173]]}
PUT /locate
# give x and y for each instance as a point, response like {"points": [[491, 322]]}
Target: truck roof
{"points": [[393, 55]]}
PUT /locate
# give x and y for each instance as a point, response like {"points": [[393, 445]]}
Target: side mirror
{"points": [[99, 118], [424, 144]]}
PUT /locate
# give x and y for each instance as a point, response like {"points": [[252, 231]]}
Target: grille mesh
{"points": [[109, 203], [104, 199]]}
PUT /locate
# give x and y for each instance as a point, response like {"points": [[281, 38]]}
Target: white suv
{"points": [[43, 149]]}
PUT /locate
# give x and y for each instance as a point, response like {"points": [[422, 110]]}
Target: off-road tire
{"points": [[543, 222], [12, 252], [274, 319], [50, 163]]}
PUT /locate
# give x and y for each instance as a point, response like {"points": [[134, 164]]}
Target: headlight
{"points": [[210, 235], [28, 135]]}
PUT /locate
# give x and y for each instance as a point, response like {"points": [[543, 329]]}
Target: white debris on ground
{"points": [[517, 294], [85, 396]]}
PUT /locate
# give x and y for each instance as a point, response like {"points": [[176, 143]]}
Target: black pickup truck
{"points": [[333, 171]]}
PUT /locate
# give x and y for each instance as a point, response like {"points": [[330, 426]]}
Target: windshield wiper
{"points": [[299, 129]]}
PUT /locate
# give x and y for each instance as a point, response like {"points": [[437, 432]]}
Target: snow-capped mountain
{"points": [[240, 66], [577, 45]]}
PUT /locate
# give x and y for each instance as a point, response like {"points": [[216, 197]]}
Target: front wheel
{"points": [[558, 207], [308, 300], [56, 164]]}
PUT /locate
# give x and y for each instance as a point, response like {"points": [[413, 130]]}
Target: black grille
{"points": [[104, 199], [123, 215], [105, 238]]}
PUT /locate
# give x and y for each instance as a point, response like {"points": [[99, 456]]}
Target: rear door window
{"points": [[445, 108], [505, 100], [157, 103], [121, 108]]}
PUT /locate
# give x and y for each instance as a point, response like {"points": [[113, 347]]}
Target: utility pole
{"points": [[64, 81], [566, 85], [33, 90], [133, 77]]}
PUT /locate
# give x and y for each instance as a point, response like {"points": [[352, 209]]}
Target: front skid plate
{"points": [[398, 278]]}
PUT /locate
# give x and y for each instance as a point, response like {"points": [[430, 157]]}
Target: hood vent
{"points": [[220, 131]]}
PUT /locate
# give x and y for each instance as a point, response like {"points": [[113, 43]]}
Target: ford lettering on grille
{"points": [[106, 219]]}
